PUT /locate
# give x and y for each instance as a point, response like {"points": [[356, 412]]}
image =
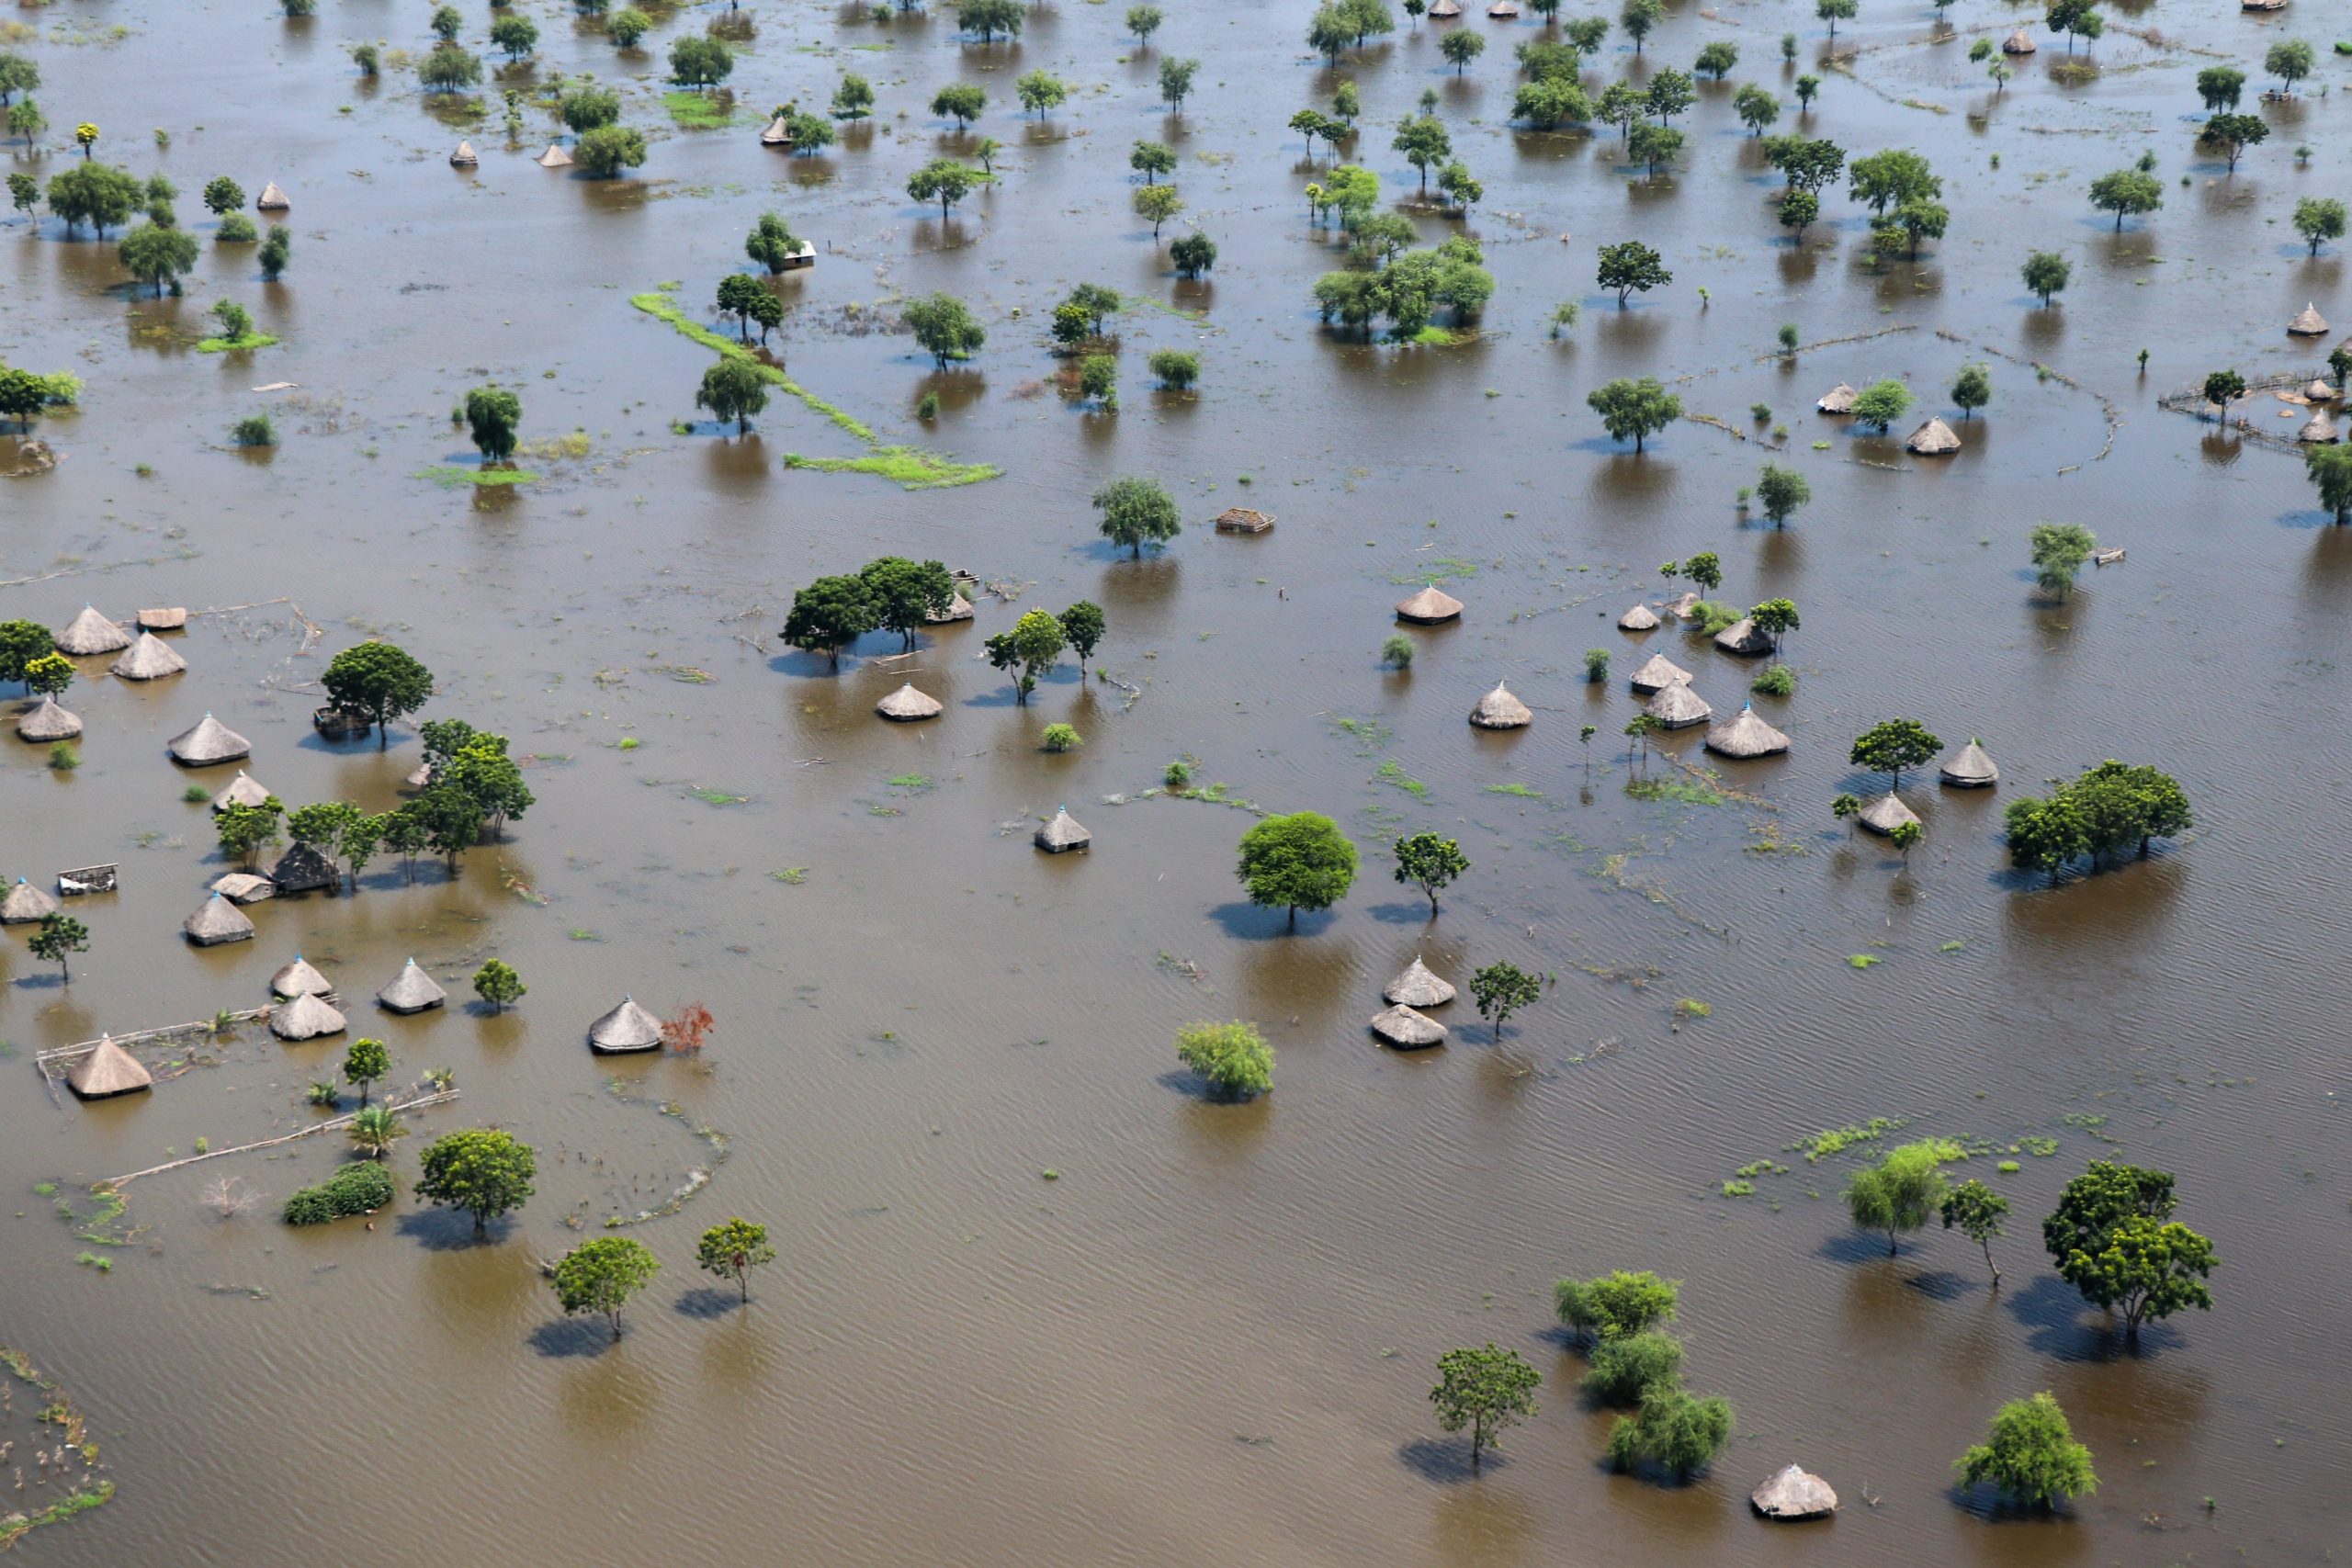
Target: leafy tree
{"points": [[1040, 91], [1972, 389], [481, 1170], [2233, 133], [2290, 60], [97, 193], [374, 1129], [1650, 145], [1299, 862], [1676, 1432], [608, 149], [1626, 1368], [18, 73], [1423, 140], [2105, 1196], [1891, 746], [449, 69], [854, 99], [989, 17], [1616, 1305], [1234, 1058], [2330, 470], [2127, 193], [733, 389], [1918, 221], [944, 180], [2219, 87], [1031, 648], [48, 675], [59, 938], [1630, 266], [1136, 511], [1755, 108], [1640, 18], [1621, 104], [1347, 295], [1716, 60], [1177, 368], [2046, 272], [1193, 254], [1429, 863], [1327, 33], [1487, 1390], [1902, 1192], [829, 615], [2032, 1458], [2224, 388], [1347, 103], [1834, 12], [22, 642], [516, 34], [446, 22], [1639, 409], [2143, 1268], [1882, 404], [732, 1251], [496, 983], [24, 193], [601, 1276], [489, 780], [1706, 570], [1142, 21], [2073, 17], [1457, 184], [24, 119], [1151, 159], [1808, 163], [1976, 1211], [1460, 48], [739, 296], [944, 327], [627, 26], [1775, 618], [1156, 204], [1176, 83], [493, 414], [960, 102], [1671, 92], [379, 680], [276, 250], [2058, 551], [1586, 33], [1800, 209], [365, 1063], [1807, 89], [2045, 835], [1890, 178], [1781, 491], [1550, 101], [2127, 808], [245, 830], [772, 243], [2319, 218], [700, 61], [1502, 988], [906, 593]]}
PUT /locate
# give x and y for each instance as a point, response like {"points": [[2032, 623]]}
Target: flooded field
{"points": [[1039, 1301]]}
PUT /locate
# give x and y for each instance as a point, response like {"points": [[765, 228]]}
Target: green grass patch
{"points": [[1519, 790], [457, 476], [1863, 959], [1437, 572], [791, 876], [1390, 773], [914, 784], [1837, 1140], [229, 344], [1684, 790], [1442, 337], [16, 1527], [719, 796], [701, 111]]}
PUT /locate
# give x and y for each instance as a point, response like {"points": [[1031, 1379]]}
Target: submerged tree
{"points": [[1639, 409], [492, 415], [1631, 265], [2031, 1458], [56, 941], [481, 1170], [1893, 745], [379, 680], [1976, 1211], [1616, 1305], [1234, 1058], [601, 1276], [1430, 863], [829, 614], [1487, 1390], [1902, 1192], [945, 327], [2058, 551], [1031, 648], [1136, 511], [1299, 862], [733, 389], [1502, 988], [732, 1251]]}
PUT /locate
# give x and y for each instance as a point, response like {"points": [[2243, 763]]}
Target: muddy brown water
{"points": [[1211, 1339]]}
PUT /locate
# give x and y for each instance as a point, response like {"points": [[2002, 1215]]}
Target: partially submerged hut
{"points": [[777, 134], [1417, 988], [300, 979], [2308, 323], [1793, 1494], [958, 609], [1503, 10], [271, 200], [216, 920], [163, 618], [906, 706], [1429, 607], [1443, 10], [1657, 673], [243, 790], [148, 658], [2020, 42], [1744, 636], [244, 887], [2262, 5], [555, 157], [26, 904], [1407, 1031], [207, 743], [1746, 734], [412, 990], [45, 721], [304, 869], [2319, 391], [2318, 430], [1933, 439], [464, 157], [1839, 398], [1500, 710], [1244, 520], [1683, 605], [1677, 707], [107, 1070], [92, 633], [627, 1027], [1887, 813], [1971, 768], [1640, 619], [305, 1018], [1062, 834]]}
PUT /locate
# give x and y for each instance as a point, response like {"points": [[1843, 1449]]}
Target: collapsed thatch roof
{"points": [[1429, 606], [107, 1070], [627, 1027], [1677, 707], [300, 979], [46, 721], [958, 609], [244, 887], [271, 200], [777, 134], [555, 157], [148, 658], [1062, 833], [206, 742], [1839, 398], [1885, 814], [243, 790], [1793, 1494], [162, 619], [1683, 605], [216, 920], [1745, 734], [1244, 520], [303, 869], [1743, 636], [1640, 619], [465, 157], [2020, 42], [1417, 988], [305, 1018], [2318, 430], [92, 633], [2308, 323], [1500, 710], [1934, 439], [25, 904], [905, 705], [1970, 767], [412, 990], [1657, 673], [1402, 1027]]}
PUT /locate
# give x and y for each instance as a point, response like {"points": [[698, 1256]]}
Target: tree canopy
{"points": [[481, 1170], [1487, 1390], [1136, 511], [1299, 862], [601, 1276], [379, 680], [2031, 1457]]}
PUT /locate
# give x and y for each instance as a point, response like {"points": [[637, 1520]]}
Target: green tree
{"points": [[854, 99], [2127, 193], [24, 193], [2290, 60], [700, 61], [492, 415], [2046, 272], [1640, 18], [1893, 745], [1621, 104], [2329, 469], [276, 250], [156, 254], [1716, 58], [1882, 404], [1082, 624], [944, 327], [2224, 388], [1808, 163], [449, 69], [2032, 1458], [2072, 17], [2058, 551], [245, 830], [1299, 862], [1040, 91], [1487, 1390], [2105, 1196], [626, 27], [1775, 618], [741, 295], [18, 73], [1781, 492], [1616, 1305], [1156, 204], [1193, 254], [1423, 140], [48, 675], [960, 102], [1626, 1368], [2219, 87], [496, 983], [2045, 835], [1136, 511], [516, 34], [1639, 409], [1650, 145], [829, 615], [446, 23], [732, 1251], [1151, 159], [25, 119], [601, 1276], [1972, 389], [21, 642], [1327, 33], [733, 389], [1234, 1058], [1142, 21], [480, 1170], [989, 17], [1676, 1432], [1976, 1211], [1890, 178], [1902, 1192], [906, 594], [2231, 133], [1460, 46], [944, 180], [58, 939], [772, 243], [1834, 12], [608, 149], [1502, 988], [1031, 648], [1671, 92], [1755, 108], [1807, 89], [2319, 218], [2142, 1267], [379, 680], [1429, 863], [1800, 209], [1631, 265], [1176, 83], [365, 1063]]}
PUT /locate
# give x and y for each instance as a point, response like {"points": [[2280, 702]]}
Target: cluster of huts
{"points": [[1933, 439], [91, 635]]}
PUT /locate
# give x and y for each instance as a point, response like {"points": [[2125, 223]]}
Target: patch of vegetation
{"points": [[1687, 791], [236, 345], [1369, 734], [1438, 571], [791, 876], [717, 797], [914, 784], [1389, 772], [1837, 1140], [701, 111], [1863, 959], [457, 476], [359, 1188], [1520, 790]]}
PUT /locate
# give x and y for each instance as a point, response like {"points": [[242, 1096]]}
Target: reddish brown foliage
{"points": [[688, 1029]]}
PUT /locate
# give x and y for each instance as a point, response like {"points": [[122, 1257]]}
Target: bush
{"points": [[254, 430], [1774, 681], [1176, 368], [196, 794], [1713, 616], [1177, 774], [1596, 665], [63, 758], [1674, 1431], [927, 406], [1234, 1058], [1624, 1369], [354, 1190], [1617, 1305], [237, 229], [1063, 737], [1398, 650]]}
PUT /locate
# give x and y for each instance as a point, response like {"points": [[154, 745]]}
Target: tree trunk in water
{"points": [[1990, 1264], [1294, 917]]}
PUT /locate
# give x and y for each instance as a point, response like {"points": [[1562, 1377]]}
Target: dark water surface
{"points": [[1211, 1339]]}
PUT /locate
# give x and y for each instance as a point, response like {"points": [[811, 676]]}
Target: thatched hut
{"points": [[2020, 42], [1657, 673], [303, 869], [465, 157], [1745, 734], [271, 200], [162, 619], [243, 790], [1244, 520], [1677, 707], [1407, 1031], [216, 920], [1839, 398], [92, 633], [777, 134], [207, 743], [1417, 988], [2319, 430], [108, 1070], [1443, 10], [1933, 439], [1744, 636], [1500, 710], [2262, 5], [2319, 391], [958, 609], [1887, 813], [1970, 767], [1793, 1494], [907, 705], [45, 721], [1062, 834], [412, 990], [1683, 605], [300, 979], [305, 1018], [2308, 323], [1640, 619], [244, 887], [26, 905], [1503, 10], [555, 157], [1431, 606], [627, 1027], [148, 658]]}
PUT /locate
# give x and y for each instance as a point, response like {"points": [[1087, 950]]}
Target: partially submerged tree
{"points": [[379, 680], [492, 415], [1502, 988], [2031, 1458], [1893, 745], [1639, 409], [2058, 551], [1976, 1211], [733, 389], [481, 1170], [365, 1063], [1026, 653], [496, 983], [1430, 861], [1234, 1058], [1487, 1390], [1902, 1192], [1136, 511], [1615, 1305], [1631, 265], [1299, 862], [2128, 193], [57, 939], [829, 614], [602, 1275], [732, 1251], [945, 327]]}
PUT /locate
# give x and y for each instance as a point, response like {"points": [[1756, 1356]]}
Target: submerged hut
{"points": [[216, 920], [299, 980], [1743, 636], [1062, 834], [1417, 988], [1443, 10], [2308, 323], [777, 134], [271, 200], [209, 742], [244, 887], [906, 706], [1659, 673], [305, 1018], [1793, 1494], [1839, 398], [412, 990], [1244, 520], [464, 157], [1431, 606], [303, 869], [2262, 5], [92, 633], [555, 157], [1970, 767], [1887, 813], [2020, 42], [1640, 619], [1746, 735], [46, 721], [1683, 604], [26, 904], [958, 609], [1500, 710], [1933, 439], [2318, 430], [107, 1070], [243, 790], [627, 1027], [2319, 391], [1407, 1031], [163, 618], [1677, 707], [1503, 10], [148, 658]]}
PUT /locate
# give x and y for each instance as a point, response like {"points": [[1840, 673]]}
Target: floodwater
{"points": [[1210, 1338]]}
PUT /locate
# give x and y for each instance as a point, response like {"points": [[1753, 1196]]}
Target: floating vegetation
{"points": [[1837, 1140], [1369, 734], [790, 875], [1685, 790], [1437, 572], [1390, 773], [57, 1410], [1175, 965], [1951, 946], [717, 797], [2040, 1146], [1863, 959], [1520, 790], [1690, 1007], [686, 673], [914, 784], [513, 882], [457, 475]]}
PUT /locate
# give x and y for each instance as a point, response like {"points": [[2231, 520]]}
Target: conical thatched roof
{"points": [[1062, 834], [1795, 1495], [162, 619], [1683, 604], [1429, 606], [2318, 430], [107, 1070], [216, 920], [209, 741], [1503, 10], [1417, 988], [1933, 439], [1677, 707], [244, 887], [905, 705], [25, 904], [1402, 1027], [1742, 637], [2308, 323], [464, 157], [555, 157], [2018, 42], [1659, 673], [627, 1027], [2319, 391], [958, 609], [299, 978], [243, 790], [271, 200], [777, 134], [1887, 813], [1640, 619], [1500, 710], [92, 633], [1746, 735], [1839, 398], [1970, 767], [412, 990], [305, 1018], [303, 869], [1444, 8], [148, 658], [46, 721]]}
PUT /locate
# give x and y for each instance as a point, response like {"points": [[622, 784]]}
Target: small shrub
{"points": [[237, 229], [354, 1190], [1596, 665], [927, 407], [1713, 616], [1759, 412], [1623, 1370], [196, 794], [254, 430], [1397, 651], [1177, 774], [1673, 1430], [1176, 368], [1774, 681], [1234, 1058], [325, 1092], [1063, 737], [63, 758]]}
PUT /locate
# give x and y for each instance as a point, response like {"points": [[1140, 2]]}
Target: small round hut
{"points": [[148, 658], [1839, 398], [1417, 986], [465, 157], [26, 905], [2319, 391], [907, 705], [1971, 768], [1933, 439], [305, 1018], [1062, 834], [1744, 637], [1657, 673], [2308, 323], [1793, 1494], [45, 721], [1746, 735], [1640, 619], [1407, 1031], [162, 619], [216, 920], [271, 200], [299, 978], [92, 633], [412, 990], [243, 790], [555, 157], [627, 1027], [777, 134], [1500, 710], [1677, 707], [108, 1070], [2319, 430], [1429, 607], [1887, 813], [2020, 42], [958, 609], [208, 743]]}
